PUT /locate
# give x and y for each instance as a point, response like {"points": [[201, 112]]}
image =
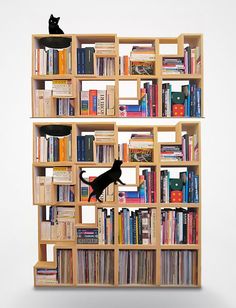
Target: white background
{"points": [[18, 246]]}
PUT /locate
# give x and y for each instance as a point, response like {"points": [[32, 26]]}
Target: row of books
{"points": [[60, 225], [105, 226], [137, 227], [51, 148], [95, 267], [145, 192], [190, 187], [65, 193], [43, 189], [192, 60], [50, 61], [104, 153], [187, 151], [65, 266], [179, 226], [43, 103], [85, 60], [105, 66], [179, 267], [85, 148], [141, 148], [147, 105], [65, 107], [85, 190], [137, 267], [191, 105], [98, 102]]}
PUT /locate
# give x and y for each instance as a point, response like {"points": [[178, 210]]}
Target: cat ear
{"points": [[51, 16], [58, 18]]}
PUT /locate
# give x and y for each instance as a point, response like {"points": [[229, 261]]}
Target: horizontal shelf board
{"points": [[52, 77], [95, 285], [45, 264], [94, 77], [181, 247], [176, 205], [95, 246], [135, 77], [56, 241], [105, 55], [55, 285], [179, 163], [53, 164], [151, 205], [137, 285], [97, 204], [137, 246], [178, 286], [56, 204], [105, 143], [180, 76]]}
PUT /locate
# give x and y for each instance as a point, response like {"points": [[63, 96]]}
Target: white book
{"points": [[101, 102], [47, 98], [48, 189], [45, 230], [110, 100]]}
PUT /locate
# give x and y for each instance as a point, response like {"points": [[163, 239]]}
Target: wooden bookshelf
{"points": [[39, 168], [78, 80]]}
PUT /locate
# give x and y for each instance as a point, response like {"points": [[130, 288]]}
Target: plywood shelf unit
{"points": [[78, 80], [39, 168]]}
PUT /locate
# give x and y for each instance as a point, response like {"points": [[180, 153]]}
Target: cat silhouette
{"points": [[103, 180], [53, 25]]}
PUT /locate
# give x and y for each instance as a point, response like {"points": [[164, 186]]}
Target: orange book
{"points": [[125, 152], [93, 199], [61, 62], [65, 61], [61, 149], [126, 65], [92, 102]]}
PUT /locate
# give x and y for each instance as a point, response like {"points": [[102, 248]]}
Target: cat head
{"points": [[53, 20], [117, 163]]}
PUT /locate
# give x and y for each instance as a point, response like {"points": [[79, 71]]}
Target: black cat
{"points": [[53, 25], [105, 179]]}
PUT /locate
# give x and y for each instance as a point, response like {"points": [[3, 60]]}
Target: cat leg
{"points": [[97, 196], [121, 182], [90, 196]]}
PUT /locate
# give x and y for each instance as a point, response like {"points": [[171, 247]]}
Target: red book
{"points": [[156, 99], [196, 227], [149, 187], [134, 114], [93, 199], [93, 102], [154, 186]]}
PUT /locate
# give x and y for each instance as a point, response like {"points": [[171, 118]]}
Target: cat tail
{"points": [[82, 179]]}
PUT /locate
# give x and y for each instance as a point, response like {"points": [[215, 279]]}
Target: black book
{"points": [[89, 52], [55, 62], [89, 147]]}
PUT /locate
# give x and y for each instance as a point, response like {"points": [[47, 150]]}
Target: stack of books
{"points": [[105, 226], [192, 60], [105, 48], [65, 107], [85, 60], [65, 266], [51, 148], [190, 147], [171, 153], [140, 62], [104, 153], [190, 186], [137, 267], [85, 148], [104, 136], [179, 226], [173, 66], [61, 88], [43, 103], [95, 266], [98, 102], [141, 148], [146, 191], [51, 61], [147, 105], [192, 101], [107, 195], [105, 66], [62, 175], [87, 236], [43, 189], [46, 276], [60, 225], [179, 267], [65, 193], [137, 227]]}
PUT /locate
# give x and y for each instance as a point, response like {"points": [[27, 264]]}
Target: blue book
{"points": [[145, 173], [186, 188], [133, 108], [188, 102], [125, 226], [83, 60], [147, 87], [131, 229], [95, 104], [83, 148], [198, 103], [79, 148], [132, 194], [79, 60], [196, 189]]}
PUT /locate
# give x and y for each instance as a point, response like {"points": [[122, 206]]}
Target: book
{"points": [[85, 60], [43, 103], [61, 88], [65, 107], [65, 266], [85, 151], [46, 276], [87, 236], [104, 153], [105, 66], [62, 174]]}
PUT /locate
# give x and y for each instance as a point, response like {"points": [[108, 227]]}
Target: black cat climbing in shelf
{"points": [[103, 180], [53, 25], [56, 41]]}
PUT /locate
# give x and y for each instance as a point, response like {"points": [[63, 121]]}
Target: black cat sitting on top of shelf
{"points": [[53, 25], [105, 179]]}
